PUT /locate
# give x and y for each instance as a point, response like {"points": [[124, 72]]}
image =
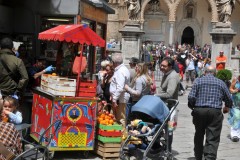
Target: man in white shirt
{"points": [[118, 95], [190, 70]]}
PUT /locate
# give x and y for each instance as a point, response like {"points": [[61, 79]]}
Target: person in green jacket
{"points": [[13, 73]]}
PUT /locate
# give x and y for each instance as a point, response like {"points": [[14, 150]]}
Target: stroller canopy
{"points": [[152, 106]]}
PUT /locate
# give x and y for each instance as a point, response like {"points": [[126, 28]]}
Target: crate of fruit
{"points": [[106, 120]]}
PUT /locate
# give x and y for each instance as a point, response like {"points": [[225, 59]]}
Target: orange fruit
{"points": [[102, 116], [106, 121], [111, 121], [103, 122]]}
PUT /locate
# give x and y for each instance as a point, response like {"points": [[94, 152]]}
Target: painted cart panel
{"points": [[78, 116]]}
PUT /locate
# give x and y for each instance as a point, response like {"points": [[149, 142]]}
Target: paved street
{"points": [[183, 139], [183, 136]]}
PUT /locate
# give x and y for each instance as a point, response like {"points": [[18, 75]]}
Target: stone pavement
{"points": [[183, 136], [182, 141]]}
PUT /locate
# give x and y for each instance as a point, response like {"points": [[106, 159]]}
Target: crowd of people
{"points": [[123, 86]]}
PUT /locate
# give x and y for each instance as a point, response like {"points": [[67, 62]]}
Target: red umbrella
{"points": [[73, 33]]}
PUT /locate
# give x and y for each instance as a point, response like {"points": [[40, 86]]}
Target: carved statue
{"points": [[133, 9], [225, 8]]}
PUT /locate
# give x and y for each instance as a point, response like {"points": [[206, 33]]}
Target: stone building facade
{"points": [[172, 21]]}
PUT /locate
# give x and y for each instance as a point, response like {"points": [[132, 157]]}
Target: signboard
{"points": [[93, 13]]}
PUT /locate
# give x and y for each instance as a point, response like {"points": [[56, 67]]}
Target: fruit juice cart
{"points": [[76, 111]]}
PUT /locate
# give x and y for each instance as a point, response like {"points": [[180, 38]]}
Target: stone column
{"points": [[171, 33], [222, 41], [131, 39]]}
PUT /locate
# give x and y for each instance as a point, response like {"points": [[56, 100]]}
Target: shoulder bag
{"points": [[6, 153]]}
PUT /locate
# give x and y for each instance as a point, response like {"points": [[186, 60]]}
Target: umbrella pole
{"points": [[80, 66]]}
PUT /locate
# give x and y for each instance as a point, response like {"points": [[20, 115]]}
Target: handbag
{"points": [[6, 153], [77, 67]]}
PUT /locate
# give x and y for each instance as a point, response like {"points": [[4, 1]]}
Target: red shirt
{"points": [[221, 66]]}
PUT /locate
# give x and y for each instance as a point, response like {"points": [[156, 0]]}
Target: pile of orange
{"points": [[106, 118]]}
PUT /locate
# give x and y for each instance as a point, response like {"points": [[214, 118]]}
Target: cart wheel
{"points": [[51, 154], [86, 154]]}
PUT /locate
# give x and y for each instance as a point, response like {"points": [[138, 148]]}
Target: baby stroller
{"points": [[155, 142]]}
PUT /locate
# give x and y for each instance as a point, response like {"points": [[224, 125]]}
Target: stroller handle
{"points": [[172, 103], [169, 102]]}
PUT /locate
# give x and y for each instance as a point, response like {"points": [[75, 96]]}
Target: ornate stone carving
{"points": [[225, 8], [172, 8], [173, 4], [153, 8], [133, 9]]}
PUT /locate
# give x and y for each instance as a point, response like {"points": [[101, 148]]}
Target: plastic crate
{"points": [[109, 139], [87, 89], [115, 126], [109, 133]]}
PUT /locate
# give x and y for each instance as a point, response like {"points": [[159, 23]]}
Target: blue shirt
{"points": [[209, 91], [15, 118]]}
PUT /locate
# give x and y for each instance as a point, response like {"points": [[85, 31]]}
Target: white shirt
{"points": [[190, 64], [120, 77]]}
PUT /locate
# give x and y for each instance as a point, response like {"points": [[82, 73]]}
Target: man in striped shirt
{"points": [[205, 99]]}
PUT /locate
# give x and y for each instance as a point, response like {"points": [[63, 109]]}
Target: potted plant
{"points": [[225, 75]]}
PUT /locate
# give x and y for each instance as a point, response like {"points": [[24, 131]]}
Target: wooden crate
{"points": [[108, 150], [59, 86]]}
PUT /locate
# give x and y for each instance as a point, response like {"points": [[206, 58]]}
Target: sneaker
{"points": [[180, 93], [235, 139]]}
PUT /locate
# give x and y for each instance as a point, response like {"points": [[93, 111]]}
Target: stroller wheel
{"points": [[124, 157]]}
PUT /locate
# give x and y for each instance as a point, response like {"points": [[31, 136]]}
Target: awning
{"points": [[73, 33]]}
